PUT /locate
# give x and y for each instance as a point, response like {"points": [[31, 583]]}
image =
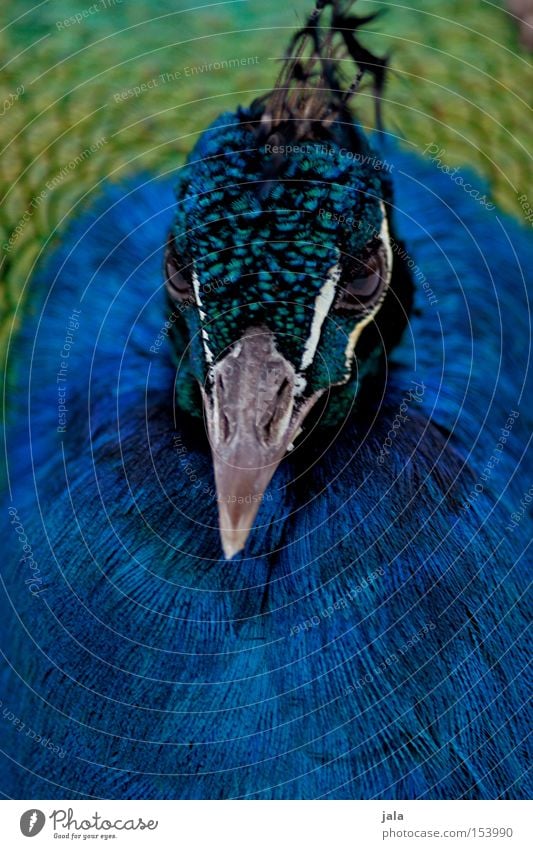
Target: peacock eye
{"points": [[178, 287], [363, 284]]}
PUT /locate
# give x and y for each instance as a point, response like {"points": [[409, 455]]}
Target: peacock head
{"points": [[279, 263]]}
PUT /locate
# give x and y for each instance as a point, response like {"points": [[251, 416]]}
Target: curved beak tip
{"points": [[236, 513], [233, 541]]}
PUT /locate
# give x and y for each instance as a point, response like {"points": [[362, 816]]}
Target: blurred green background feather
{"points": [[96, 91]]}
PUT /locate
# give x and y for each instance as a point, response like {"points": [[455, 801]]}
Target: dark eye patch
{"points": [[363, 282], [178, 285]]}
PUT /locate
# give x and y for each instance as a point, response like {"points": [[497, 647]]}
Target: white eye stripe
{"points": [[384, 235], [323, 303], [205, 335], [196, 287]]}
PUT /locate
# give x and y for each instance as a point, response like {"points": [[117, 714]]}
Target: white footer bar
{"points": [[268, 825]]}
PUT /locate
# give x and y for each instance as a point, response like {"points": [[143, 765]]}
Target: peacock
{"points": [[268, 505]]}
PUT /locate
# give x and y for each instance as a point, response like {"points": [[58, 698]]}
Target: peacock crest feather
{"points": [[311, 93]]}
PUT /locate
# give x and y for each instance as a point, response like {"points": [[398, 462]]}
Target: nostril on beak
{"points": [[273, 412], [226, 429], [225, 418]]}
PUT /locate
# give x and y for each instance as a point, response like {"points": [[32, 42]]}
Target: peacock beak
{"points": [[252, 418]]}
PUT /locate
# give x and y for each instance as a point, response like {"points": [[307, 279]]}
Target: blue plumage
{"points": [[370, 641]]}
